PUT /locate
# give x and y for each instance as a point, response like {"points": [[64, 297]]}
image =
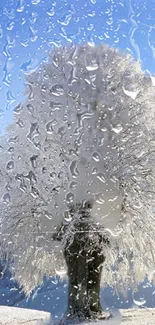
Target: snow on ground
{"points": [[19, 316]]}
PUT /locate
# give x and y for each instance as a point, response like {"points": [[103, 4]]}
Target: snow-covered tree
{"points": [[77, 175]]}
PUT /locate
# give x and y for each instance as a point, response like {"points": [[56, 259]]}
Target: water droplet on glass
{"points": [[1, 32], [49, 126], [34, 192], [139, 302], [55, 106], [35, 2], [20, 7], [101, 177], [20, 123], [69, 197], [92, 67], [53, 174], [132, 94], [10, 25], [96, 156], [13, 139], [48, 215], [117, 129], [61, 131], [73, 169], [18, 109], [30, 91], [51, 12], [65, 20], [23, 186], [30, 108], [33, 131], [11, 149], [73, 185], [10, 165], [6, 198], [57, 90], [8, 187], [33, 160], [94, 171], [32, 178]]}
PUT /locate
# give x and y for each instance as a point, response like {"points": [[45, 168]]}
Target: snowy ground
{"points": [[19, 316]]}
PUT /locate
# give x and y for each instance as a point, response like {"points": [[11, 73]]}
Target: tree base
{"points": [[80, 318]]}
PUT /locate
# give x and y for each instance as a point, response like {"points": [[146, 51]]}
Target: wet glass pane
{"points": [[77, 145]]}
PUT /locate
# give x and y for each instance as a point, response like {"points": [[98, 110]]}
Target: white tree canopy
{"points": [[85, 132]]}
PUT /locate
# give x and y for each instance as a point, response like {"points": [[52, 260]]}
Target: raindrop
{"points": [[11, 149], [73, 169], [33, 18], [91, 63], [117, 129], [101, 177], [92, 67], [100, 201], [94, 171], [53, 174], [43, 88], [30, 91], [23, 186], [139, 302], [33, 131], [20, 6], [44, 170], [55, 106], [33, 160], [8, 187], [69, 197], [10, 165], [35, 2], [34, 192], [65, 20], [96, 156], [10, 25], [32, 178], [113, 199], [73, 185], [30, 108], [61, 131], [48, 216], [1, 32], [13, 140], [57, 90], [6, 198], [51, 12], [20, 123], [49, 126], [18, 109], [132, 94]]}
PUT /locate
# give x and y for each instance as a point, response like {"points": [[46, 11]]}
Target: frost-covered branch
{"points": [[85, 133]]}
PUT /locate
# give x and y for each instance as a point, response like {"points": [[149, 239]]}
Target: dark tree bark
{"points": [[84, 258]]}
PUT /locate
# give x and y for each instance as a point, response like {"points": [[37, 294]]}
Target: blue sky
{"points": [[30, 28]]}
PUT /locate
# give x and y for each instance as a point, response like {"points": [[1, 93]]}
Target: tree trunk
{"points": [[84, 259]]}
